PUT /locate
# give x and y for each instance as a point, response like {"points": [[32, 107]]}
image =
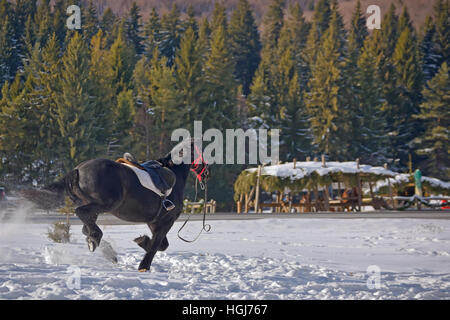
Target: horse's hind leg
{"points": [[88, 215]]}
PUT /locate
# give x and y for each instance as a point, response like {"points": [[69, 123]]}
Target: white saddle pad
{"points": [[146, 181]]}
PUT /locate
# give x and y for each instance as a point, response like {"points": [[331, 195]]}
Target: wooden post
{"points": [[410, 163], [326, 195], [250, 196], [290, 201], [278, 208], [316, 198], [257, 189], [308, 201], [239, 203], [295, 163], [390, 188], [358, 177], [340, 208], [326, 198], [371, 190], [246, 203]]}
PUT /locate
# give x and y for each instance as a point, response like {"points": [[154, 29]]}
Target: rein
{"points": [[204, 186]]}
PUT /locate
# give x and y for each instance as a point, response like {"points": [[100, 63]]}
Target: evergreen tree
{"points": [[404, 21], [121, 59], [133, 28], [191, 21], [324, 101], [320, 23], [189, 76], [43, 22], [442, 36], [370, 140], [29, 39], [107, 24], [273, 23], [41, 89], [6, 51], [219, 17], [152, 34], [123, 115], [171, 30], [220, 82], [59, 20], [430, 63], [386, 40], [76, 117], [15, 122], [298, 29], [263, 100], [143, 122], [435, 114], [295, 134], [245, 45], [167, 99], [408, 84], [350, 83], [204, 36], [104, 93], [24, 10], [90, 23], [290, 83], [358, 31]]}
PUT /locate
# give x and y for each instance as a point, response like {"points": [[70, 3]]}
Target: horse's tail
{"points": [[52, 196]]}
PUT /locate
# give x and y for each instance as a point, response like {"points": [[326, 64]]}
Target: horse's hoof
{"points": [[143, 270], [92, 245]]}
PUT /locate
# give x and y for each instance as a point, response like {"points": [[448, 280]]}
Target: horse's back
{"points": [[101, 179]]}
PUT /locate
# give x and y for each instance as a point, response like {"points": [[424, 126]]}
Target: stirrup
{"points": [[168, 205]]}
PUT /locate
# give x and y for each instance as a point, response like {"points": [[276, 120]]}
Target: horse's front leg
{"points": [[145, 242], [88, 215], [155, 244]]}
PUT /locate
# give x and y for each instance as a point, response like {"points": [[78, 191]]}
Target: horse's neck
{"points": [[181, 173]]}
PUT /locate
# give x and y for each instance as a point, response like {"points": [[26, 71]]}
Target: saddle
{"points": [[153, 176]]}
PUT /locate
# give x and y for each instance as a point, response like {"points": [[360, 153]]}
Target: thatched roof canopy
{"points": [[401, 181]]}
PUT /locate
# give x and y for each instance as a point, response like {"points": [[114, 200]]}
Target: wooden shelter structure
{"points": [[403, 184], [315, 179]]}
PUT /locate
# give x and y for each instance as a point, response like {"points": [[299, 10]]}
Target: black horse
{"points": [[102, 185]]}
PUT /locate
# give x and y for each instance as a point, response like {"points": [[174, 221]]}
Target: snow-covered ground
{"points": [[251, 259]]}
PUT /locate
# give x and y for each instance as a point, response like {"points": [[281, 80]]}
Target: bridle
{"points": [[201, 178], [203, 175]]}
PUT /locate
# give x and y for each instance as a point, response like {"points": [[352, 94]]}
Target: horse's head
{"points": [[189, 153]]}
